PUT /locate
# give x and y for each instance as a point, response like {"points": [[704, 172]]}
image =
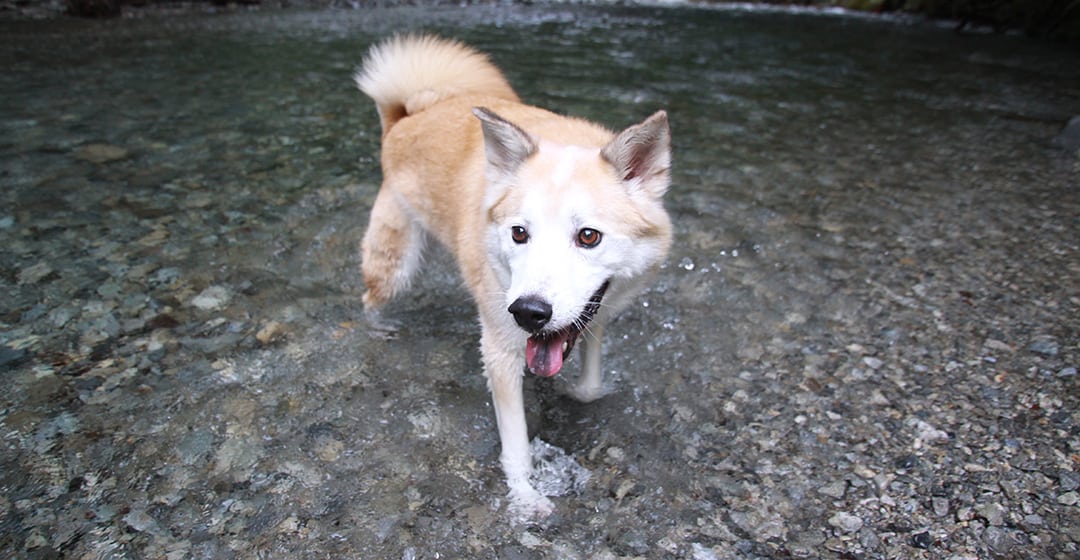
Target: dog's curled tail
{"points": [[409, 73]]}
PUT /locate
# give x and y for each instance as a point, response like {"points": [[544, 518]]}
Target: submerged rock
{"points": [[214, 297], [1069, 137], [101, 153]]}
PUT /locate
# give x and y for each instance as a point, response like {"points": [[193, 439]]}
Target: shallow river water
{"points": [[864, 343]]}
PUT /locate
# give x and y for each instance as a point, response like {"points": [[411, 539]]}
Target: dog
{"points": [[555, 222]]}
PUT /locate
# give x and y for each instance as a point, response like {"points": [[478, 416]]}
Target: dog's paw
{"points": [[526, 504], [378, 327], [585, 392]]}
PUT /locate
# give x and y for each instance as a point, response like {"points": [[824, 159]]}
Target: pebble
{"points": [[35, 273], [329, 449], [212, 298], [1069, 480], [141, 521], [993, 513], [873, 363], [1033, 522], [270, 332], [926, 433], [940, 506], [11, 357], [101, 153], [624, 488], [846, 522], [1044, 345], [922, 540], [36, 540], [110, 290], [529, 540], [834, 489], [699, 551], [999, 539]]}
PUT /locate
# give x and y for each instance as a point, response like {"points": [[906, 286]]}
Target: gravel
{"points": [[863, 345]]}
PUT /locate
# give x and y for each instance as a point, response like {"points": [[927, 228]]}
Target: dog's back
{"points": [[410, 73]]}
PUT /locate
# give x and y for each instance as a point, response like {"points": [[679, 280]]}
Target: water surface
{"points": [[864, 342]]}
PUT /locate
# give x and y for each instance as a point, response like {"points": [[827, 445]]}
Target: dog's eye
{"points": [[519, 234], [588, 238]]}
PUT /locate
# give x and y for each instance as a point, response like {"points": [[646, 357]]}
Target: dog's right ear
{"points": [[505, 145]]}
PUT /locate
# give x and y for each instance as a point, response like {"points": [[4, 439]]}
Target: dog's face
{"points": [[565, 223]]}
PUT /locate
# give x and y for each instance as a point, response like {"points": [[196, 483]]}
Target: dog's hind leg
{"points": [[390, 252]]}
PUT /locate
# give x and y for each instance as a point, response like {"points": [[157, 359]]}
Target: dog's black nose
{"points": [[530, 312]]}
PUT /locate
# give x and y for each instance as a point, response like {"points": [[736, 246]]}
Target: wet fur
{"points": [[464, 161]]}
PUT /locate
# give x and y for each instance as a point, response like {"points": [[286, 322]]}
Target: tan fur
{"points": [[415, 72], [438, 180]]}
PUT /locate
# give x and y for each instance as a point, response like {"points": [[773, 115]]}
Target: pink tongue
{"points": [[544, 357]]}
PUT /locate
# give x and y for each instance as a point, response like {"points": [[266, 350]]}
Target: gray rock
{"points": [[1069, 480], [1044, 345], [993, 512], [141, 521], [11, 357], [873, 363], [101, 153], [35, 273], [834, 489], [1069, 137], [1000, 540], [846, 522], [940, 506], [213, 297]]}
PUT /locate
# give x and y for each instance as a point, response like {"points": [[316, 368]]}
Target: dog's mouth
{"points": [[545, 351]]}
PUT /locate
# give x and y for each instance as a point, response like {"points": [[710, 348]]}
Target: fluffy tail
{"points": [[409, 73]]}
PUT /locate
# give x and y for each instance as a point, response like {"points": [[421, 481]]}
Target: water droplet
{"points": [[686, 263]]}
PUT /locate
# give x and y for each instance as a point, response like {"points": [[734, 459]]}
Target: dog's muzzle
{"points": [[546, 350]]}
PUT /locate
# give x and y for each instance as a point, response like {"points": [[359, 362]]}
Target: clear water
{"points": [[873, 231]]}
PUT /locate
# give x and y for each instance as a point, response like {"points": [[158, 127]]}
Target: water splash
{"points": [[554, 472]]}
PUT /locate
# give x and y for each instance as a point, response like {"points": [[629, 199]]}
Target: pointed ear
{"points": [[505, 145], [641, 155]]}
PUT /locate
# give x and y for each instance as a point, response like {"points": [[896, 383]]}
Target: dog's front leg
{"points": [[504, 372], [589, 385]]}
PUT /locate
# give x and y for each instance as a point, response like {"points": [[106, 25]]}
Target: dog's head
{"points": [[569, 224]]}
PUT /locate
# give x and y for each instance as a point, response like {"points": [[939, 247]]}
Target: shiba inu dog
{"points": [[553, 220]]}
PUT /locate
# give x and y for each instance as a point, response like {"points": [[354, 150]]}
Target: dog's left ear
{"points": [[505, 144], [641, 155]]}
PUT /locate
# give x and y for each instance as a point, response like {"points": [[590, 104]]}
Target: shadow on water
{"points": [[864, 343]]}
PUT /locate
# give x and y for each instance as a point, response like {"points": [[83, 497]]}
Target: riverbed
{"points": [[864, 343]]}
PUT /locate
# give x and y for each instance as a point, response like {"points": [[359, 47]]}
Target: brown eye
{"points": [[588, 238], [519, 234]]}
